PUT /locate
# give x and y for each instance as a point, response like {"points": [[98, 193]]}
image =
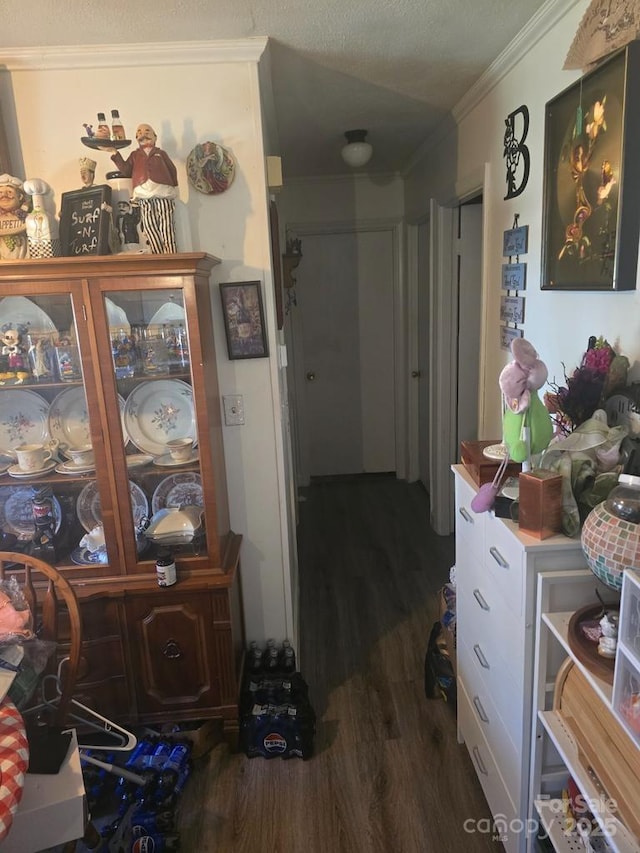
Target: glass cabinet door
{"points": [[50, 502], [149, 347]]}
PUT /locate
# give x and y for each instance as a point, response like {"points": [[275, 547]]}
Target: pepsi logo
{"points": [[275, 743], [146, 844]]}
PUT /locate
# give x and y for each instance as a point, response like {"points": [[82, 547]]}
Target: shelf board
{"points": [[618, 836], [558, 623], [552, 819]]}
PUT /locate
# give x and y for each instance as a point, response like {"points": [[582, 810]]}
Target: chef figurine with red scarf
{"points": [[154, 179]]}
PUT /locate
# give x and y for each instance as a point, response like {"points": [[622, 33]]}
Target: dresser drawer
{"points": [[504, 558], [499, 708], [469, 524], [485, 620], [495, 790]]}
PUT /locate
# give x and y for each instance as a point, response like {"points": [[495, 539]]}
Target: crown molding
{"points": [[544, 20], [132, 55]]}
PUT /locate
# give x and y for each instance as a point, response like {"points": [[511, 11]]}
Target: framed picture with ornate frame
{"points": [[244, 319], [591, 210]]}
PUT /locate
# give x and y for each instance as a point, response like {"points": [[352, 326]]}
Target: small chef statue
{"points": [[42, 229], [13, 211], [154, 179]]}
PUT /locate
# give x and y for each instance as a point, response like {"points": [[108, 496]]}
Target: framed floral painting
{"points": [[591, 223]]}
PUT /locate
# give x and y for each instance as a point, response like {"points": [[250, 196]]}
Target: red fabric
{"points": [[14, 760]]}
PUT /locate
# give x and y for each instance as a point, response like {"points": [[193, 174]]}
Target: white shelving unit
{"points": [[554, 749]]}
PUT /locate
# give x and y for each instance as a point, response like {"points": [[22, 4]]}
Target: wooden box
{"points": [[540, 499], [480, 467], [605, 750]]}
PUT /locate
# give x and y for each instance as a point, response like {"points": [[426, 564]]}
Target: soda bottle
{"points": [[287, 660], [272, 664], [117, 130], [255, 662], [156, 843]]}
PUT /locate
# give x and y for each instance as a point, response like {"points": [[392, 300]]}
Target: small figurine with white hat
{"points": [[13, 211]]}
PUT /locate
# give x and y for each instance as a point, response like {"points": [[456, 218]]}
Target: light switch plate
{"points": [[233, 405]]}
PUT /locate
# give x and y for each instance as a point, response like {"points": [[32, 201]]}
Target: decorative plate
{"points": [[167, 460], [71, 469], [23, 419], [19, 309], [178, 490], [90, 511], [495, 451], [16, 512], [84, 557], [102, 144], [69, 418], [17, 472], [210, 168], [158, 411]]}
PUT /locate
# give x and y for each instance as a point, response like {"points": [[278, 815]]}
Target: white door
{"points": [[469, 251], [423, 237], [345, 324]]}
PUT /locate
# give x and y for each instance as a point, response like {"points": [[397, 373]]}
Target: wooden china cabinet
{"points": [[118, 353]]}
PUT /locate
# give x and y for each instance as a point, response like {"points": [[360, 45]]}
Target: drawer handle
{"points": [[172, 650], [479, 761], [484, 663], [480, 599], [480, 709], [463, 512], [497, 556]]}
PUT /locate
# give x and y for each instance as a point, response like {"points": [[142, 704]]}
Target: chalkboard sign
{"points": [[85, 220]]}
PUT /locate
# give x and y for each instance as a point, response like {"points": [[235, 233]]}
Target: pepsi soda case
{"points": [[285, 730]]}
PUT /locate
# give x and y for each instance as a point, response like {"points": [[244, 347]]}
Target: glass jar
{"points": [[624, 499]]}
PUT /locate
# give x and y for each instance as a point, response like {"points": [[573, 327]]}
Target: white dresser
{"points": [[496, 572]]}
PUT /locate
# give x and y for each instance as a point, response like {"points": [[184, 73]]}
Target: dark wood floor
{"points": [[387, 775]]}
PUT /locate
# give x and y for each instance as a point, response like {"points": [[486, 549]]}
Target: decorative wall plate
{"points": [[210, 168], [178, 490], [158, 411], [16, 512], [23, 419], [89, 508]]}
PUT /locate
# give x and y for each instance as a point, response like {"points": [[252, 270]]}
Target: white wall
{"points": [[189, 94], [558, 324]]}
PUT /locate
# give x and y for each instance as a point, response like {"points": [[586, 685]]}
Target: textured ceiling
{"points": [[394, 67]]}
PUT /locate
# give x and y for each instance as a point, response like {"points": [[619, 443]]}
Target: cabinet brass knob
{"points": [[172, 650], [311, 376]]}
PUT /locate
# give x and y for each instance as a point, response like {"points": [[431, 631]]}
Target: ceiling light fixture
{"points": [[356, 152]]}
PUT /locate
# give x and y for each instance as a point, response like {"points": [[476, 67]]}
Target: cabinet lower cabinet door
{"points": [[171, 646]]}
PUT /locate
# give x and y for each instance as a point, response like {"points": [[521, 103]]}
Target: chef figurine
{"points": [[42, 229], [13, 211]]}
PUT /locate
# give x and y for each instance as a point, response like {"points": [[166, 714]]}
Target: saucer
{"points": [[17, 471], [166, 460], [71, 468], [138, 460]]}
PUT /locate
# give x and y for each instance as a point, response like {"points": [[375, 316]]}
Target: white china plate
{"points": [[17, 472], [90, 511], [71, 468], [16, 512], [138, 460], [178, 490], [156, 412], [170, 312], [495, 451], [84, 557], [23, 419], [167, 461], [19, 309], [69, 418]]}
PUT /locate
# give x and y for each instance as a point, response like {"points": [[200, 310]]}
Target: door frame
{"points": [[296, 365]]}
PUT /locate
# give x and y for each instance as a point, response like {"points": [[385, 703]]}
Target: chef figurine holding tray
{"points": [[154, 179]]}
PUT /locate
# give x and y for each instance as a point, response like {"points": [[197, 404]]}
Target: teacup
{"points": [[81, 456], [180, 449], [32, 457]]}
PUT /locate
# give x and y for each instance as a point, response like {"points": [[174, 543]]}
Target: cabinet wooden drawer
{"points": [[493, 785], [485, 621], [503, 557], [500, 715]]}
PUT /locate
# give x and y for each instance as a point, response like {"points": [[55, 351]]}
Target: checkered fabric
{"points": [[14, 760]]}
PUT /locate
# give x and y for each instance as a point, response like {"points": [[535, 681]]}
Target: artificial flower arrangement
{"points": [[585, 450]]}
